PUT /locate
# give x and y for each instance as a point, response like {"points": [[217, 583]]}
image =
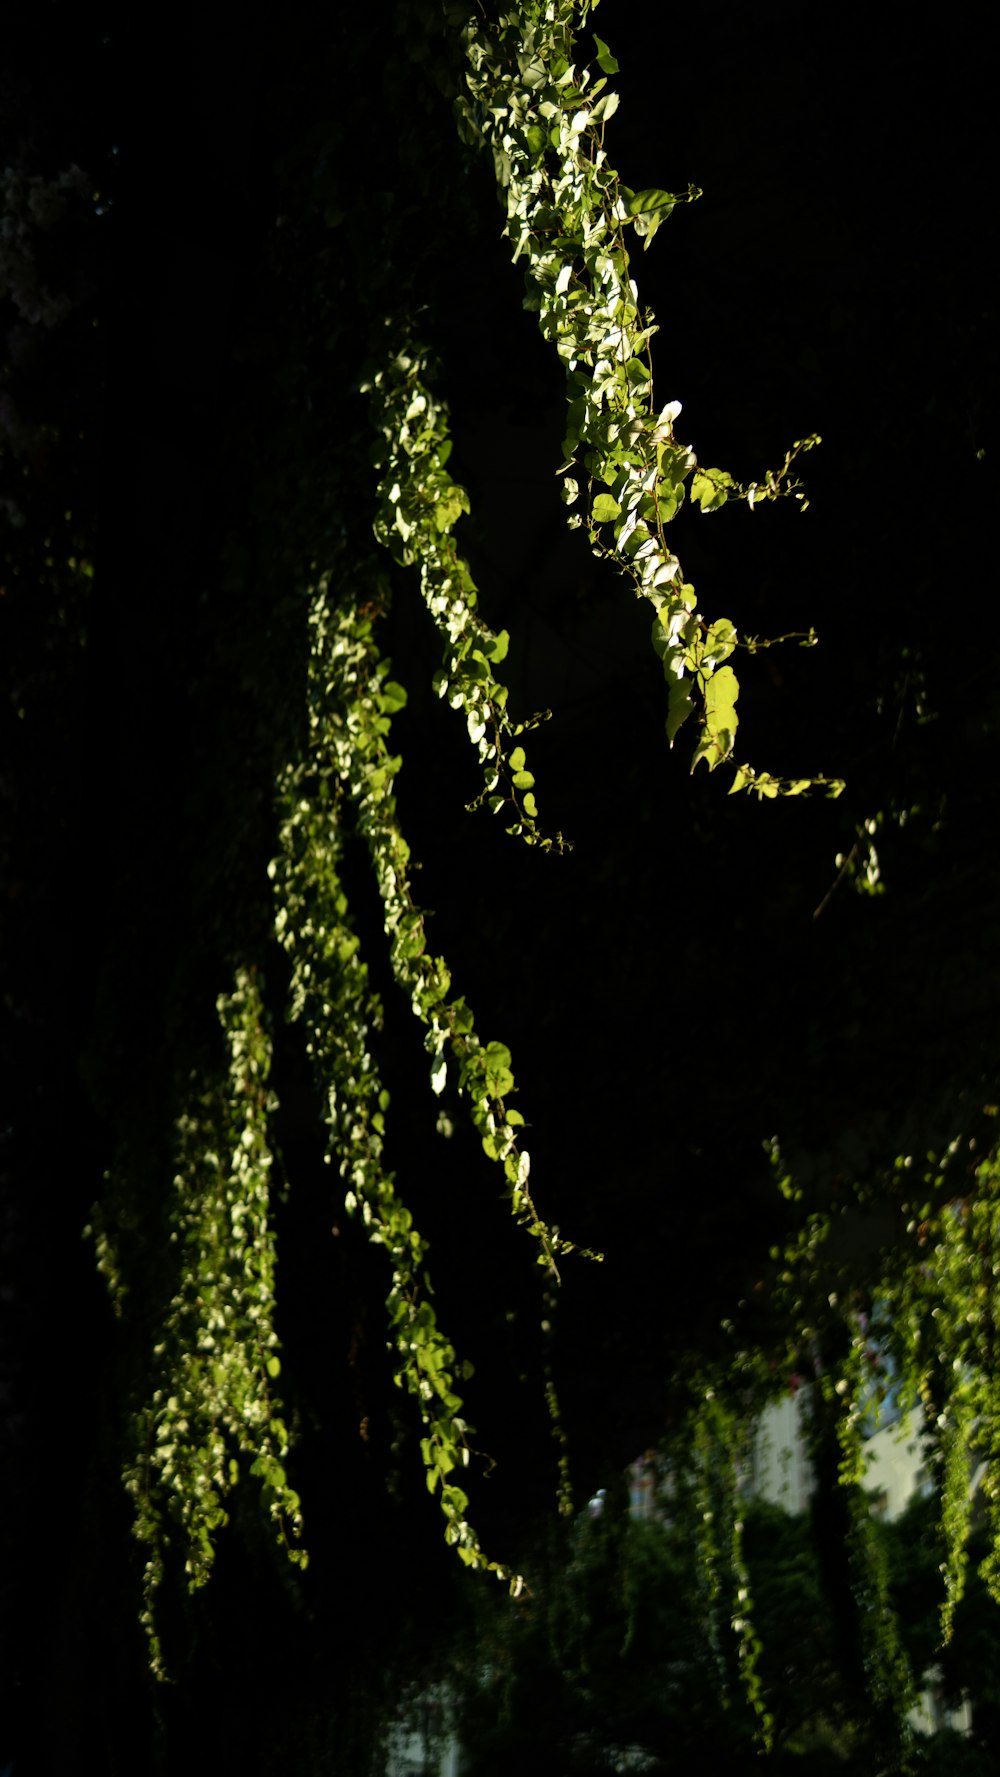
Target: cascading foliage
{"points": [[213, 1394], [212, 1400], [347, 782], [543, 115]]}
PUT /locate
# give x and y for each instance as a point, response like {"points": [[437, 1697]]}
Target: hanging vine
{"points": [[710, 1456], [945, 1312], [213, 1397], [917, 1319], [543, 116], [348, 780], [418, 505]]}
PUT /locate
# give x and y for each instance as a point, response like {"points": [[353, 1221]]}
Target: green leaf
{"points": [[449, 509], [720, 641], [605, 60], [605, 508], [499, 1078], [708, 489], [652, 199], [605, 107], [523, 780], [661, 641], [679, 707], [517, 759], [635, 540], [454, 1500], [393, 697], [273, 1366], [721, 692], [674, 462], [721, 720]]}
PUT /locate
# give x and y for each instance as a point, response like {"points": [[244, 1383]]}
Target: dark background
{"points": [[669, 997]]}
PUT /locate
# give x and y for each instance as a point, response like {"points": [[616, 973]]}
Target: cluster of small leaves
{"points": [[349, 767], [216, 1358], [567, 212], [860, 866], [418, 505]]}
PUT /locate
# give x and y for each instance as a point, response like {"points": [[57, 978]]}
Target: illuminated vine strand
{"points": [[567, 212], [213, 1398], [418, 506], [349, 771]]}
